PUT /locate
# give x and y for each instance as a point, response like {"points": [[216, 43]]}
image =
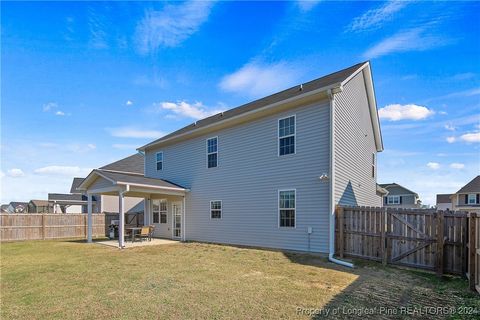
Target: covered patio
{"points": [[129, 244], [123, 184]]}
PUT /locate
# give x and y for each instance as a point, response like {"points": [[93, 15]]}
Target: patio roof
{"points": [[114, 182]]}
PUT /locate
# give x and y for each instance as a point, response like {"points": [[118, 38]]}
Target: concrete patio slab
{"points": [[129, 244]]}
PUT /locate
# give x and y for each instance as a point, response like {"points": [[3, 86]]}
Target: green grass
{"points": [[74, 280]]}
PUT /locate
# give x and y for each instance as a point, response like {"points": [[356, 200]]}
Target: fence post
{"points": [[388, 245], [340, 231], [383, 248], [43, 226], [471, 249], [85, 225], [440, 242]]}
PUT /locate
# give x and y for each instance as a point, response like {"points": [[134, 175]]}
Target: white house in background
{"points": [[268, 173], [468, 197], [444, 202]]}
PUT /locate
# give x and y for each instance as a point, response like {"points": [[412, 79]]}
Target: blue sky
{"points": [[84, 84]]}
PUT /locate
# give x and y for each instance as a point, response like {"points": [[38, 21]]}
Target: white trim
{"points": [[393, 198], [278, 208], [221, 210], [474, 198], [89, 177], [294, 135], [269, 106], [150, 186], [209, 153], [114, 188], [127, 172], [156, 161], [184, 219]]}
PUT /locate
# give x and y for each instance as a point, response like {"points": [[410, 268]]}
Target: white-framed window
{"points": [[159, 160], [216, 209], [286, 208], [472, 198], [286, 135], [212, 152], [373, 165], [393, 199], [159, 210]]}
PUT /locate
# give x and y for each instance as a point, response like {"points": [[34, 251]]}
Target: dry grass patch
{"points": [[74, 280]]}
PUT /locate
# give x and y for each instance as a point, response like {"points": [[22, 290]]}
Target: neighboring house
{"points": [[18, 207], [444, 202], [4, 208], [40, 206], [468, 197], [400, 197], [68, 203], [268, 173]]}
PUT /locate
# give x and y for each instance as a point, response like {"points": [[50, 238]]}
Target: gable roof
{"points": [[16, 204], [75, 183], [133, 164], [472, 186], [444, 198], [329, 82], [135, 179], [393, 184], [41, 203]]}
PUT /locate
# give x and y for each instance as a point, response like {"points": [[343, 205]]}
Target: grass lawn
{"points": [[74, 280]]}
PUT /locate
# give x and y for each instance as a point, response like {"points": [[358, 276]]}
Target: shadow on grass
{"points": [[380, 292]]}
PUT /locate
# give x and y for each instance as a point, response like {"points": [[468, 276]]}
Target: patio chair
{"points": [[128, 235], [144, 233], [150, 233]]}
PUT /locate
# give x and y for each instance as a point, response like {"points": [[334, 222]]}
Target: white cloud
{"points": [[450, 127], [463, 76], [415, 39], [15, 173], [433, 165], [62, 171], [471, 137], [396, 112], [49, 106], [196, 110], [451, 139], [2, 174], [257, 79], [457, 165], [129, 103], [59, 113], [171, 26], [132, 132], [123, 146], [373, 19], [307, 5]]}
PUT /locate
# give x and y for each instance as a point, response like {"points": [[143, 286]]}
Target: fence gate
{"points": [[411, 239]]}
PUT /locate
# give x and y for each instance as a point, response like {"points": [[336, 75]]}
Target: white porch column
{"points": [[121, 216], [146, 211], [89, 219]]}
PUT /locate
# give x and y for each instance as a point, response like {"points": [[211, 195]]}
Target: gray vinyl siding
{"points": [[408, 199], [100, 183], [247, 180], [354, 145]]}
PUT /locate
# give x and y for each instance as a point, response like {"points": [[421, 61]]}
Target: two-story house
{"points": [[268, 173], [468, 197], [400, 197]]}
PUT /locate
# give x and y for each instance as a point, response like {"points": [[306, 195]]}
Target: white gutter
{"points": [[331, 247]]}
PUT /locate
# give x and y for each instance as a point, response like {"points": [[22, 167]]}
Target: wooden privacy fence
{"points": [[426, 239], [33, 226]]}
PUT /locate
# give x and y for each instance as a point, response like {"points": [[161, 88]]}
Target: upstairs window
{"points": [[212, 152], [286, 136], [472, 198], [393, 200], [159, 159], [216, 209], [286, 207]]}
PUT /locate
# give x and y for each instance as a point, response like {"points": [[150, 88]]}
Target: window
{"points": [[159, 209], [212, 152], [373, 165], [286, 206], [472, 198], [159, 158], [393, 199], [216, 209], [286, 136]]}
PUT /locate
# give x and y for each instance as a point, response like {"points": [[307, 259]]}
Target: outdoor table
{"points": [[134, 231]]}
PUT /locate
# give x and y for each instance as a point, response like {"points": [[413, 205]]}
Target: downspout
{"points": [[331, 247]]}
